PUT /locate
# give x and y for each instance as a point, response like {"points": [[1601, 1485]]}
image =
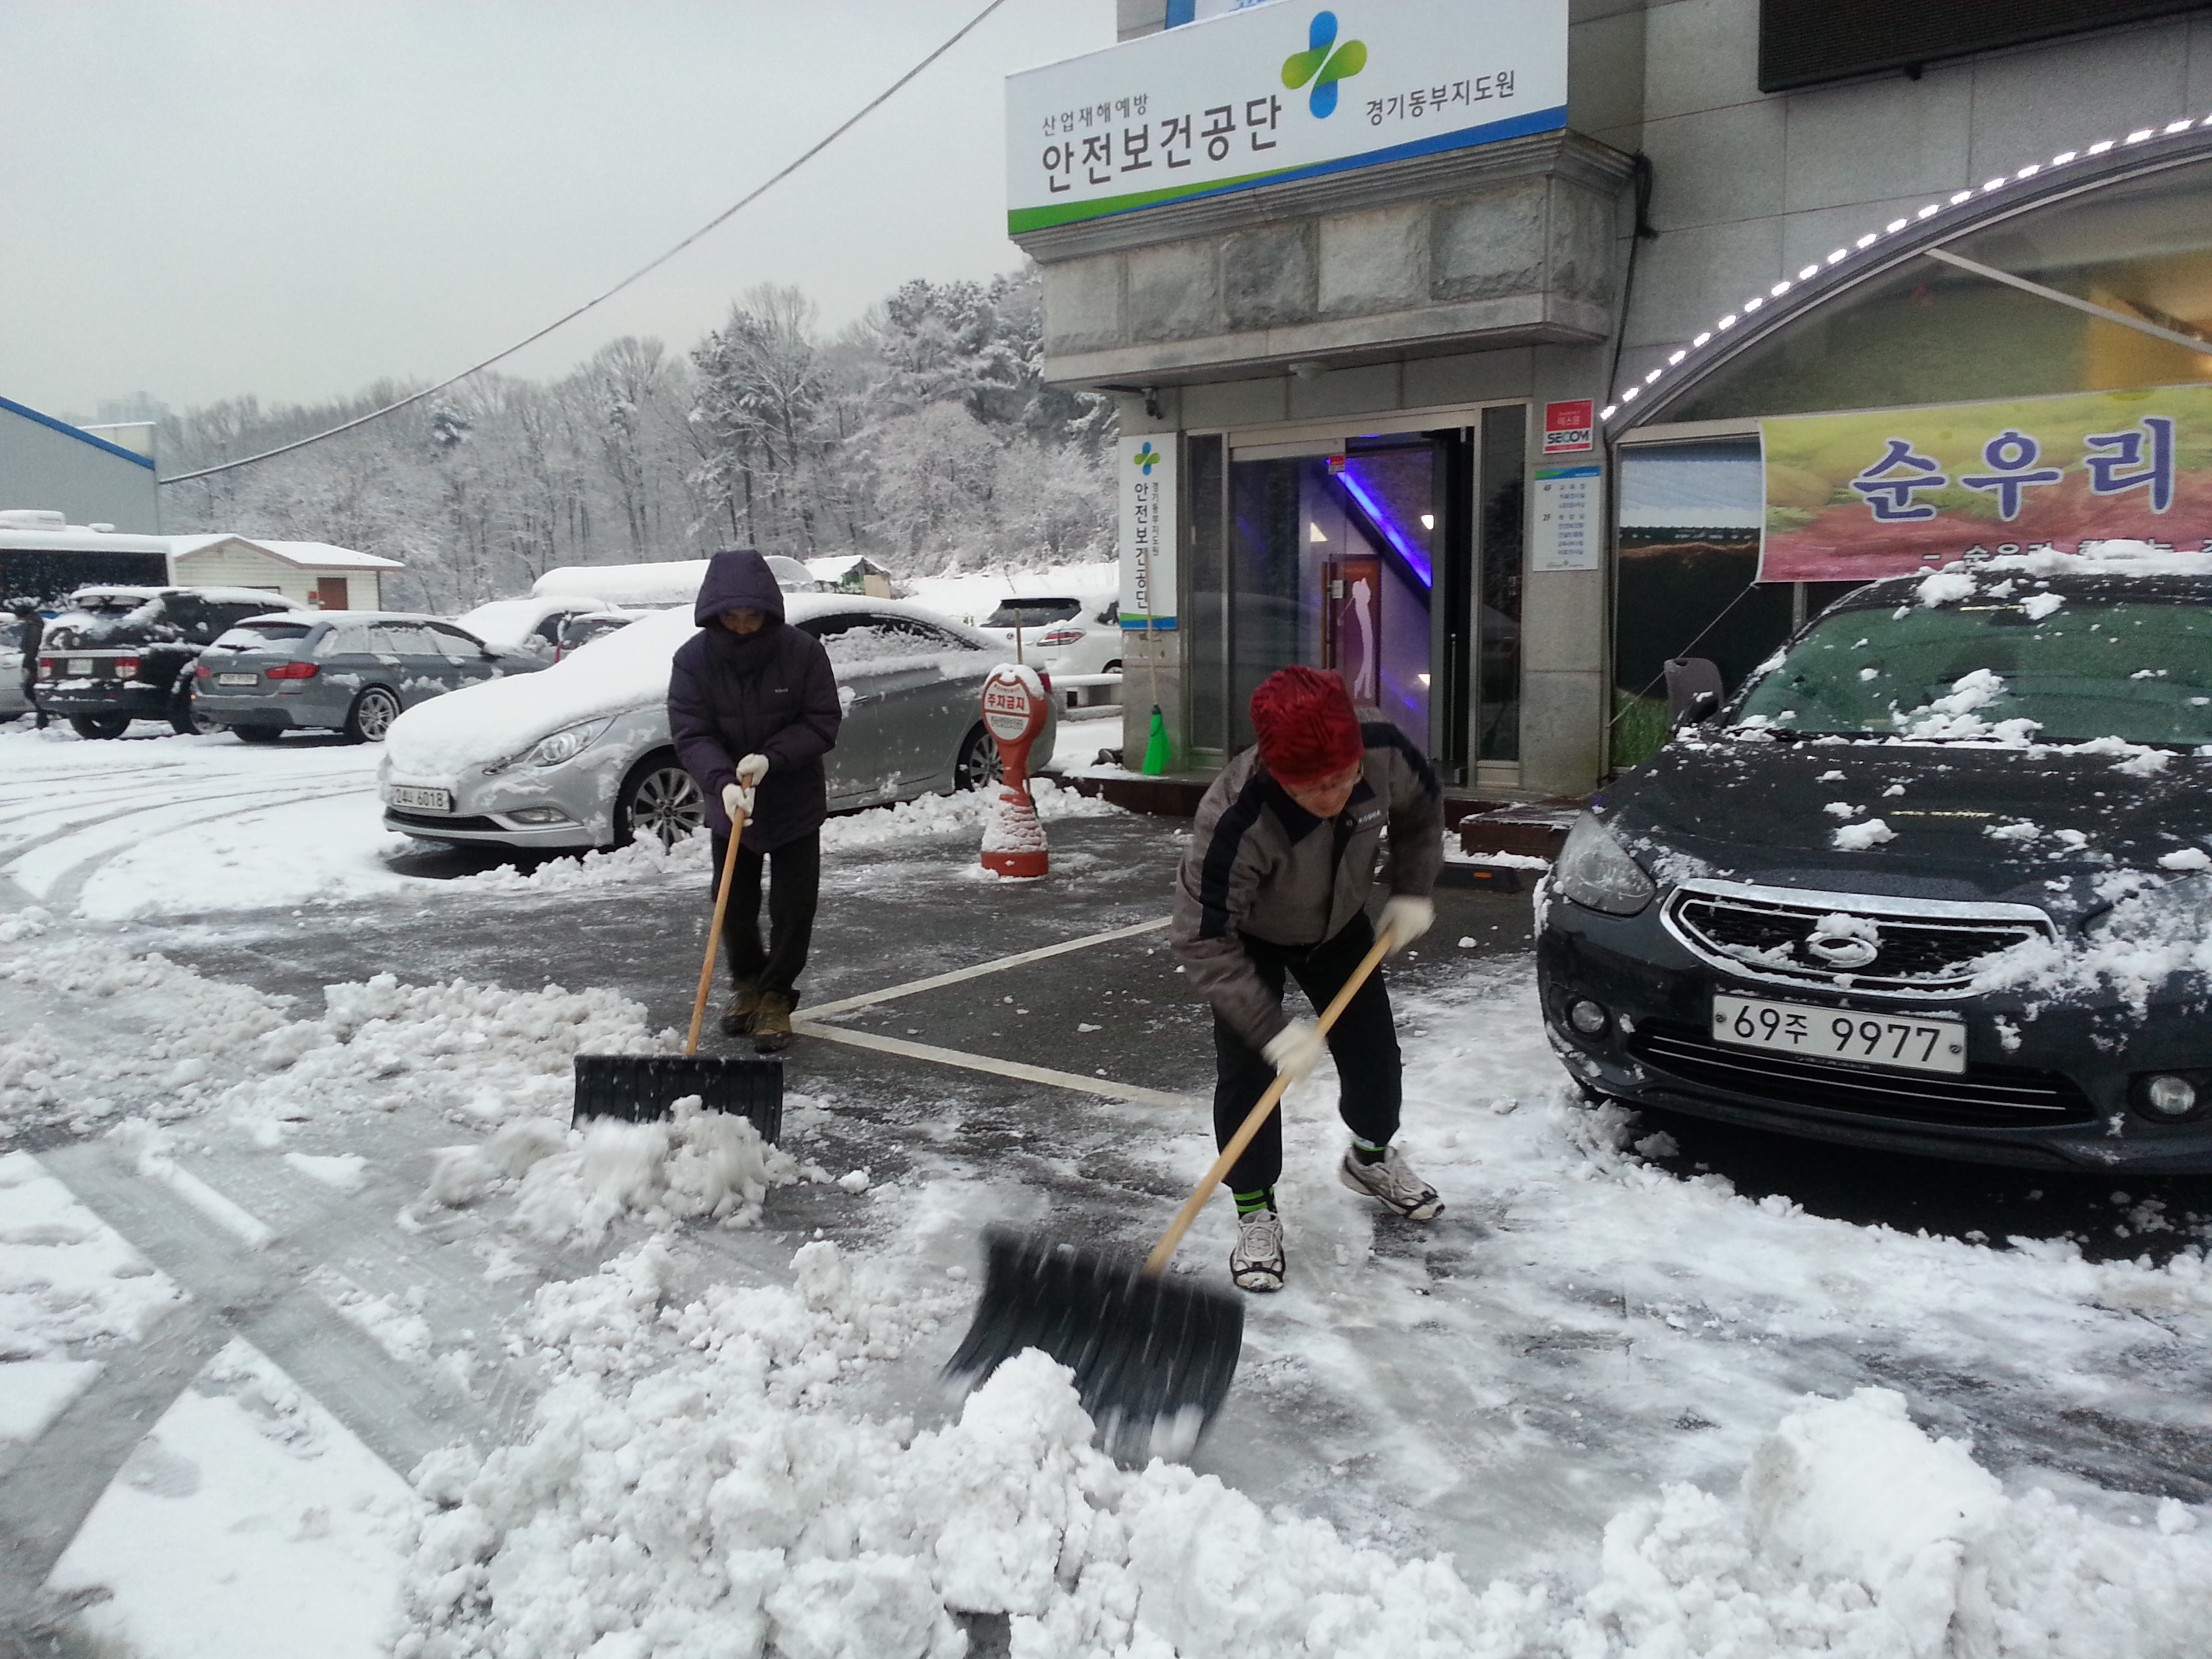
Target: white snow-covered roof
{"points": [[307, 555], [836, 567], [674, 581], [29, 530], [508, 621]]}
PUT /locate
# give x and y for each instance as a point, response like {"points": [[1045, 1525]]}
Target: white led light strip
{"points": [[1629, 394]]}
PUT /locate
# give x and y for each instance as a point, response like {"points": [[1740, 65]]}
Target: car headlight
{"points": [[1594, 870], [566, 743]]}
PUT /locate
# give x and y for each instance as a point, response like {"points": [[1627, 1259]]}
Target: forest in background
{"points": [[922, 436]]}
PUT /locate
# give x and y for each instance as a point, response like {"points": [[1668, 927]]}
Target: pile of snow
{"points": [[2156, 929], [721, 1503], [1010, 823], [697, 1165]]}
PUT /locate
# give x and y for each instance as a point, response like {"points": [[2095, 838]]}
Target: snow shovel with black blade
{"points": [[1152, 1358], [642, 1087]]}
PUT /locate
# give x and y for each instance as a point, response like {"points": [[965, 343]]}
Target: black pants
{"points": [[794, 884], [1364, 1042]]}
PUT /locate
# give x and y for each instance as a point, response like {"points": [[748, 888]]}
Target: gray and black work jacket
{"points": [[1260, 867]]}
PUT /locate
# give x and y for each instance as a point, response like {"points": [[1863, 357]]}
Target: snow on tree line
{"points": [[922, 436]]}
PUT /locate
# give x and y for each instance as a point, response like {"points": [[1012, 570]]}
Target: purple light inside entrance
{"points": [[1408, 550]]}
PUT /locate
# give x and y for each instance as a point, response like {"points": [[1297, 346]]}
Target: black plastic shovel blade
{"points": [[1152, 1356], [641, 1088]]}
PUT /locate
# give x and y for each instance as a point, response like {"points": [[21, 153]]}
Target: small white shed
{"points": [[313, 575]]}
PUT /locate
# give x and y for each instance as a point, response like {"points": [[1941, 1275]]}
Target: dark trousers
{"points": [[794, 872], [1364, 1042]]}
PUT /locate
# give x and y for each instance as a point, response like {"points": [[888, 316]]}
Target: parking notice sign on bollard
{"points": [[1014, 714]]}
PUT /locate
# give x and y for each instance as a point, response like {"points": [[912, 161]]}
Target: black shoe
{"points": [[738, 1018], [772, 1023]]}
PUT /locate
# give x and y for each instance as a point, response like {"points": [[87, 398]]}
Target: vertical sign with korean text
{"points": [[1851, 497], [1563, 519], [1148, 530], [1268, 94]]}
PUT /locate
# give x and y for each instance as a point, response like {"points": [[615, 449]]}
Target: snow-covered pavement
{"points": [[271, 1356]]}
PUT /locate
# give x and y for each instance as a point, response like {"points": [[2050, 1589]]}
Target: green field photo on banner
{"points": [[1852, 497]]}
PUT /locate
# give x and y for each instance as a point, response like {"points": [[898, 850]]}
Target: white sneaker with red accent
{"points": [[1391, 1181]]}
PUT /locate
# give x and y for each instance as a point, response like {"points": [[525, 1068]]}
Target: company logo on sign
{"points": [[1323, 63], [1567, 427], [1146, 459]]}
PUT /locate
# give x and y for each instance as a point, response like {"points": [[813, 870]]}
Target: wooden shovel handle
{"points": [[714, 935], [1156, 1263]]}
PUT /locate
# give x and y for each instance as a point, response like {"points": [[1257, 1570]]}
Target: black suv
{"points": [[1938, 879], [117, 654]]}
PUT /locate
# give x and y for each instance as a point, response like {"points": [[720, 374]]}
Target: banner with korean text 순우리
{"points": [[1272, 92], [1851, 497], [1148, 530]]}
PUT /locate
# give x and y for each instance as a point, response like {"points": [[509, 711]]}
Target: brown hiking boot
{"points": [[738, 1018], [772, 1023]]}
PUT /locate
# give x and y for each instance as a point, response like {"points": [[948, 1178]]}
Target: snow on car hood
{"points": [[487, 722]]}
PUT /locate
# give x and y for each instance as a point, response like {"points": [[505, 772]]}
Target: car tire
{"points": [[258, 733], [979, 766], [98, 728], [659, 800], [186, 718], [1113, 668], [370, 715]]}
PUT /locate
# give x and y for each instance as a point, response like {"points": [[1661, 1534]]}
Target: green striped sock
{"points": [[1247, 1203]]}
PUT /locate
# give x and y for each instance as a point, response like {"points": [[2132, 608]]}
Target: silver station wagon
{"points": [[579, 756], [354, 671]]}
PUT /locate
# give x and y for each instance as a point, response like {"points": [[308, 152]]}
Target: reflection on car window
{"points": [[349, 640], [1028, 612], [453, 642], [2074, 669], [861, 637]]}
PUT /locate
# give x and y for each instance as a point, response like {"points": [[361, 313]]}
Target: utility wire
{"points": [[716, 222]]}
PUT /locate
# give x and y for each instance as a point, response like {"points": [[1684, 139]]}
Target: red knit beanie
{"points": [[1306, 727]]}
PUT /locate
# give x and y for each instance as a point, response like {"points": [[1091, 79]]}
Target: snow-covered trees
{"points": [[922, 436]]}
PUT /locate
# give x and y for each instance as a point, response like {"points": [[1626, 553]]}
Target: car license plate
{"points": [[238, 679], [1799, 1028], [79, 667], [428, 801]]}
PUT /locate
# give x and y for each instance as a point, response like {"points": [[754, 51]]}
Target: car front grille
{"points": [[1984, 1097], [434, 821], [1919, 948]]}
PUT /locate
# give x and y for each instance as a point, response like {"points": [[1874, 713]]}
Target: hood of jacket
{"points": [[738, 579]]}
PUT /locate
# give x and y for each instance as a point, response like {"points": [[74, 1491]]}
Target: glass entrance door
{"points": [[1385, 561]]}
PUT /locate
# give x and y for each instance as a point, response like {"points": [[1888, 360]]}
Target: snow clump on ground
{"points": [[688, 1488]]}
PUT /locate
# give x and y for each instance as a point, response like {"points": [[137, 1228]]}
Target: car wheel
{"points": [[979, 766], [659, 800], [1113, 668], [258, 733], [186, 718], [373, 711], [99, 727]]}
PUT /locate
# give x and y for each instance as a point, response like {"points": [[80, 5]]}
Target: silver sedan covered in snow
{"points": [[579, 755]]}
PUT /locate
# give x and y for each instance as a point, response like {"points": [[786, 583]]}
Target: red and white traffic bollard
{"points": [[1014, 714]]}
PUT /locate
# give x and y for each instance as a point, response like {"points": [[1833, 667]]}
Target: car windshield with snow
{"points": [[1936, 880], [354, 672], [582, 756], [117, 654]]}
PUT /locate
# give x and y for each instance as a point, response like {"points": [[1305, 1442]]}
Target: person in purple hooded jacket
{"points": [[753, 707]]}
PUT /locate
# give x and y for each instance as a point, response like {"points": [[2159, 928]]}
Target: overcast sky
{"points": [[294, 198]]}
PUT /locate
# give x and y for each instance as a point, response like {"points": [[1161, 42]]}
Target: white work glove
{"points": [[1296, 1050], [1406, 918], [752, 769], [737, 801]]}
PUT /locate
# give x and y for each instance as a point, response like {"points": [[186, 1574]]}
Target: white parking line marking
{"points": [[1007, 1068], [997, 965]]}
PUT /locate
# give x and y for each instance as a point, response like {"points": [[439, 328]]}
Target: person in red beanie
{"points": [[1275, 884]]}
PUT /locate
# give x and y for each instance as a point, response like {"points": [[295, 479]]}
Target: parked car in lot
{"points": [[12, 700], [530, 625], [353, 672], [580, 757], [117, 654], [1065, 636], [1936, 880]]}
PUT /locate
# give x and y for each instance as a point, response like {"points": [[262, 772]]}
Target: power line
{"points": [[716, 222]]}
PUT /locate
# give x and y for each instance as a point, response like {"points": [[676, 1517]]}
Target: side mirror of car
{"points": [[1694, 690]]}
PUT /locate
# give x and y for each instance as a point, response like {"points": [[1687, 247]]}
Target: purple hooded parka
{"points": [[771, 693]]}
